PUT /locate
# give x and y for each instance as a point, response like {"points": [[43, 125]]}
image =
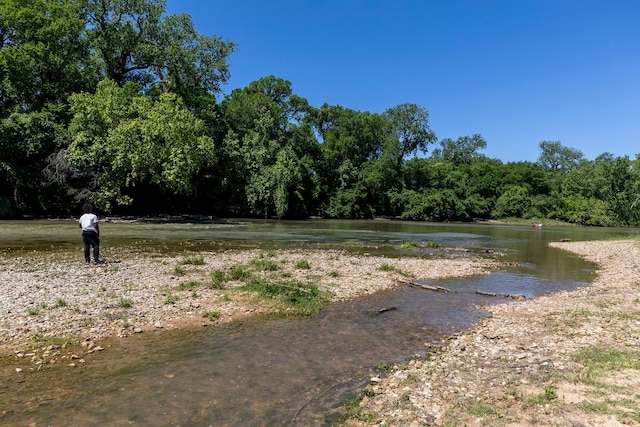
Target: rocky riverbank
{"points": [[49, 299], [565, 359]]}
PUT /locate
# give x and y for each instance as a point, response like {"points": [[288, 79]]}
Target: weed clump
{"points": [[299, 298]]}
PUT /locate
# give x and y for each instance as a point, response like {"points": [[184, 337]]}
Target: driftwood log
{"points": [[447, 290], [518, 297], [427, 287]]}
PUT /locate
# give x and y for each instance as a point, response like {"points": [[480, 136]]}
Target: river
{"points": [[274, 372]]}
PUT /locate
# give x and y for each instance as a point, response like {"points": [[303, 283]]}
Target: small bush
{"points": [[61, 302], [126, 303]]}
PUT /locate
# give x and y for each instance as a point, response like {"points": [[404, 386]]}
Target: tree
{"points": [[122, 140], [268, 153], [555, 157], [409, 131], [135, 42], [42, 55], [514, 202], [462, 150], [42, 61]]}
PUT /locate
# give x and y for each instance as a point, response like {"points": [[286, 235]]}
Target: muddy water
{"points": [[271, 371]]}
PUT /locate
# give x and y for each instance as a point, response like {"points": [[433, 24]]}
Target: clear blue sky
{"points": [[515, 71]]}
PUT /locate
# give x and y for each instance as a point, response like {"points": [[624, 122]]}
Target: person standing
{"points": [[90, 234]]}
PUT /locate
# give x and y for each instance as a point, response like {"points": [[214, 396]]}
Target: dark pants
{"points": [[90, 238]]}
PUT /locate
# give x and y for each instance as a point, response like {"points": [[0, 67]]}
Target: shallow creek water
{"points": [[273, 372]]}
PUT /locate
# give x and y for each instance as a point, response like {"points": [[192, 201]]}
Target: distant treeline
{"points": [[118, 103]]}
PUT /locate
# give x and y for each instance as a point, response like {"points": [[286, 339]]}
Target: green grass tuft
{"points": [[193, 260], [303, 264], [299, 298]]}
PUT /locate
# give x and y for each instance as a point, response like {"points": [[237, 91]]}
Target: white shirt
{"points": [[88, 222]]}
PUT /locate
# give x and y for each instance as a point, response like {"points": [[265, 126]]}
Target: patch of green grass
{"points": [[170, 299], [626, 316], [179, 271], [353, 410], [212, 315], [34, 311], [384, 367], [391, 268], [185, 286], [303, 264], [193, 260], [218, 279], [387, 267], [482, 410], [409, 244], [239, 272], [334, 274], [605, 303], [433, 244], [126, 303], [299, 298], [550, 394], [61, 302], [622, 409], [264, 265], [599, 360]]}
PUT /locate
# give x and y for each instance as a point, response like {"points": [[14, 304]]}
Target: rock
{"points": [[137, 330], [158, 325]]}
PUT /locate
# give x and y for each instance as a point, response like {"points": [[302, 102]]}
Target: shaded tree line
{"points": [[118, 103]]}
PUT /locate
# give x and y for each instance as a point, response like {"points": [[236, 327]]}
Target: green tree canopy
{"points": [[555, 156], [122, 139]]}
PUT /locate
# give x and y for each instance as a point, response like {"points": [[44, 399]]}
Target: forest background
{"points": [[118, 103]]}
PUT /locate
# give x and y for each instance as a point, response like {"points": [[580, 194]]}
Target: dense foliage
{"points": [[115, 102]]}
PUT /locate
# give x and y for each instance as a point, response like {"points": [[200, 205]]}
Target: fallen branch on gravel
{"points": [[427, 287], [493, 294], [447, 290]]}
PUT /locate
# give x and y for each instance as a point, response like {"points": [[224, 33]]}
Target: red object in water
{"points": [[534, 225]]}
